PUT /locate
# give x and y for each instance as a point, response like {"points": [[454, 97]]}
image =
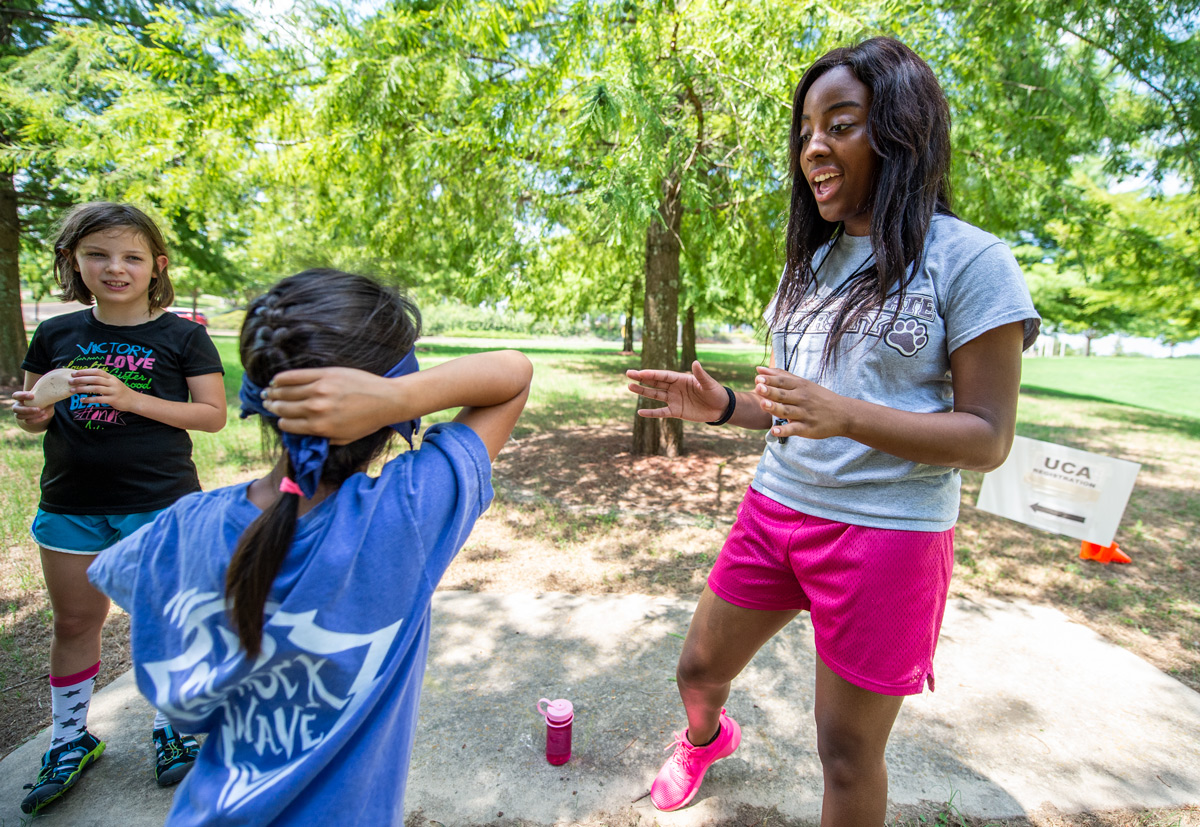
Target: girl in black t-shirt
{"points": [[116, 451]]}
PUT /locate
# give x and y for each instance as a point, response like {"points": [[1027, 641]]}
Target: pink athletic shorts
{"points": [[876, 595]]}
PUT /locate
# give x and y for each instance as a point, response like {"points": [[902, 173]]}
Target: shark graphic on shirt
{"points": [[303, 689]]}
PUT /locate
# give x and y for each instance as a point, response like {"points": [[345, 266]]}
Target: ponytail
{"points": [[255, 564]]}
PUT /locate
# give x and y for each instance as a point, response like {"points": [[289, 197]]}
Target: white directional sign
{"points": [[1060, 489]]}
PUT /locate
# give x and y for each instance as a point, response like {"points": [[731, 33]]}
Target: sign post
{"points": [[1060, 489]]}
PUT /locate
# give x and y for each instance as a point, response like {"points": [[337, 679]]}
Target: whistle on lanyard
{"points": [[777, 421]]}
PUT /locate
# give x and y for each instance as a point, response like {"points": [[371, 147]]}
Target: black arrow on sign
{"points": [[1076, 517]]}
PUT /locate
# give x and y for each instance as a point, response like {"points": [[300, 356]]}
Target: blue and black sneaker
{"points": [[61, 768], [174, 755]]}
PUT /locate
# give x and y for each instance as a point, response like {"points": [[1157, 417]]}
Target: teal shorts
{"points": [[86, 533]]}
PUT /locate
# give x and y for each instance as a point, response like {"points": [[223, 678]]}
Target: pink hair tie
{"points": [[288, 486]]}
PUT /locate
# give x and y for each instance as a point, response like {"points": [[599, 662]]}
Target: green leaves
{"points": [[1060, 105], [516, 150]]}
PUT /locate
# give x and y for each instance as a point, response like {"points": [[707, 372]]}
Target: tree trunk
{"points": [[634, 289], [12, 325], [689, 340], [12, 322], [662, 437]]}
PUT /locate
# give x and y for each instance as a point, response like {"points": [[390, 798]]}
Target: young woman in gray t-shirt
{"points": [[897, 333]]}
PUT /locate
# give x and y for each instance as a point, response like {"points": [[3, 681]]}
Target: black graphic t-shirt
{"points": [[103, 461]]}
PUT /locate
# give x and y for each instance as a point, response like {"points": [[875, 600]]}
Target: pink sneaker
{"points": [[679, 780]]}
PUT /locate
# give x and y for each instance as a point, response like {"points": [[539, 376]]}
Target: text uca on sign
{"points": [[1069, 468]]}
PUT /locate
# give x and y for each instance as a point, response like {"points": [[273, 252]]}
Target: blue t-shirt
{"points": [[319, 728]]}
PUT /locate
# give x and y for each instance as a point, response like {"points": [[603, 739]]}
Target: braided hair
{"points": [[317, 318]]}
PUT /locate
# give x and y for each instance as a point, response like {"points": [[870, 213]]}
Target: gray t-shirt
{"points": [[969, 283]]}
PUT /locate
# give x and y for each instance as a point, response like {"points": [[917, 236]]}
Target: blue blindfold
{"points": [[308, 453]]}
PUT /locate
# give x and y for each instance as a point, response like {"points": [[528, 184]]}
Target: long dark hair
{"points": [[908, 126], [98, 217], [318, 318]]}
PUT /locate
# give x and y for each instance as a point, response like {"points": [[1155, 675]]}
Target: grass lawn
{"points": [[1168, 385], [616, 523]]}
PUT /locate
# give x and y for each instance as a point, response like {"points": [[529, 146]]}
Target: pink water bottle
{"points": [[559, 716]]}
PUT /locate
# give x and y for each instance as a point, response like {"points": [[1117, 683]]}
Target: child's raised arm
{"points": [[344, 404]]}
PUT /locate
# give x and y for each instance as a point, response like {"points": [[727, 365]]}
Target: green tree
{"points": [[566, 157], [674, 143], [681, 113], [563, 157], [401, 157], [1057, 104], [546, 152], [52, 87], [24, 26]]}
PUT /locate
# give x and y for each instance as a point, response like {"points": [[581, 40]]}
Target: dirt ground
{"points": [[933, 816], [604, 520], [577, 512]]}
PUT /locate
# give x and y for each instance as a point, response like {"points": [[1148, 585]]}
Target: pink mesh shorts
{"points": [[876, 595]]}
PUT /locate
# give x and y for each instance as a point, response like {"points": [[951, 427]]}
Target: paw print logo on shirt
{"points": [[907, 337]]}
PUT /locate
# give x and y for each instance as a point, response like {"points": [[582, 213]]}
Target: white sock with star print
{"points": [[70, 697]]}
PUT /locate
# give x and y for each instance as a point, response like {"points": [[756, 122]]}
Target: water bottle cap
{"points": [[557, 712]]}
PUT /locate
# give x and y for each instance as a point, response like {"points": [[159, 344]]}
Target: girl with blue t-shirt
{"points": [[288, 617], [896, 339]]}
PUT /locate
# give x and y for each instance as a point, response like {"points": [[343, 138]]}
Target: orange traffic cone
{"points": [[1103, 554]]}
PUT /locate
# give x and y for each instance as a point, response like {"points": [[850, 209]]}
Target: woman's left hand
{"points": [[811, 411], [99, 387]]}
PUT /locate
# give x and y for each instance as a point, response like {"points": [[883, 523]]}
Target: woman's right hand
{"points": [[694, 396]]}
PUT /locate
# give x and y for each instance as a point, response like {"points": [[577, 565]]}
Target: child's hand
{"points": [[99, 387], [694, 396], [341, 404], [26, 412], [811, 411]]}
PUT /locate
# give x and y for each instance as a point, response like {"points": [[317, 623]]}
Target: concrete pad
{"points": [[1030, 710]]}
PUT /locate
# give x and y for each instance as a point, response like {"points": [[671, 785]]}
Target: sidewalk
{"points": [[1030, 711]]}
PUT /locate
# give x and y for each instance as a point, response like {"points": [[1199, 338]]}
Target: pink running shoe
{"points": [[679, 780]]}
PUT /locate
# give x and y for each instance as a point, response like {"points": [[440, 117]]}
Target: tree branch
{"points": [[1010, 169], [43, 201], [698, 105], [1180, 120], [725, 205], [51, 17]]}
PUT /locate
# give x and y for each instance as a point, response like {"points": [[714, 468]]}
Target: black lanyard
{"points": [[838, 292]]}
